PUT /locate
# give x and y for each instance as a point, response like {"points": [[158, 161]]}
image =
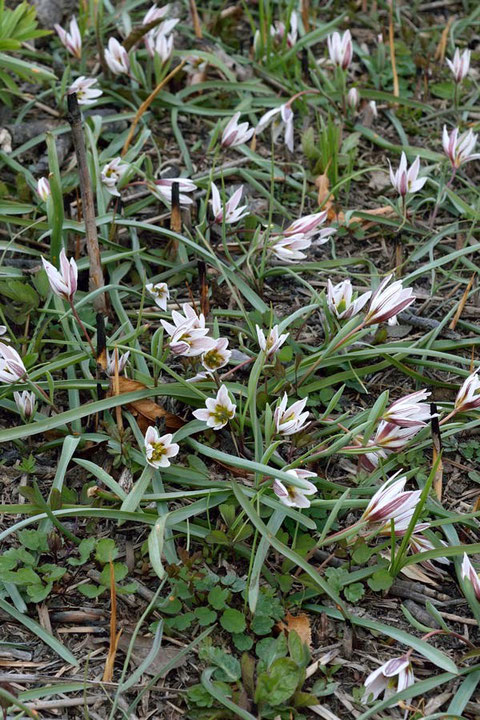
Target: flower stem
{"points": [[84, 329]]}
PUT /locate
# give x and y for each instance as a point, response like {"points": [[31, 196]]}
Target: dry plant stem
{"points": [[84, 329], [116, 390], [195, 19], [396, 87], [96, 272], [114, 636], [146, 104]]}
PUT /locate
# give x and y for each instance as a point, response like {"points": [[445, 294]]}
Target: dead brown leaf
{"points": [[299, 623], [146, 411], [142, 647], [442, 45], [323, 186]]}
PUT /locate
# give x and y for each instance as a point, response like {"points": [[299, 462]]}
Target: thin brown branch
{"points": [[96, 272]]}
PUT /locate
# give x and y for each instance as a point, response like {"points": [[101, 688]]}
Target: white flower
{"points": [[389, 437], [188, 334], [155, 13], [390, 678], [158, 449], [282, 118], [122, 361], [340, 49], [189, 319], [299, 235], [289, 421], [86, 93], [289, 248], [419, 544], [160, 293], [277, 30], [26, 403], [235, 134], [459, 149], [373, 107], [401, 524], [390, 502], [353, 97], [217, 357], [163, 46], [232, 213], [409, 411], [64, 281], [159, 40], [468, 397], [460, 64], [12, 368], [191, 342], [72, 40], [340, 299], [218, 411], [308, 225], [164, 188], [43, 189], [293, 496], [388, 302], [116, 58], [405, 181], [112, 173], [469, 573], [272, 342]]}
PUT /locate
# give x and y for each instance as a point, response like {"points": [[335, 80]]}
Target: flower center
{"points": [[222, 414], [213, 359], [158, 451]]}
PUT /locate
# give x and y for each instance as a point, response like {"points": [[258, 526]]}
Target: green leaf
{"points": [[37, 592], [181, 622], [221, 697], [380, 580], [7, 562], [354, 592], [277, 686], [217, 597], [228, 666], [242, 641], [91, 591], [270, 649], [25, 576], [233, 621], [299, 652], [120, 571], [51, 573], [106, 551], [34, 540], [205, 616], [303, 699], [85, 549], [261, 624]]}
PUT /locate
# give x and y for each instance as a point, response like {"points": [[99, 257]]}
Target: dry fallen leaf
{"points": [[146, 411], [414, 573], [142, 647], [323, 186], [299, 623]]}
